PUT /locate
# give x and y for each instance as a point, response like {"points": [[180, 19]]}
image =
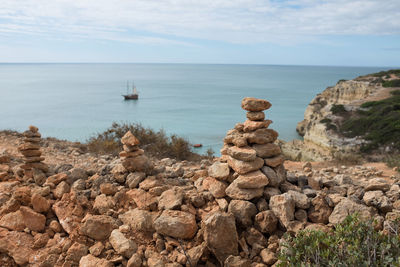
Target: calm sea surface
{"points": [[199, 102]]}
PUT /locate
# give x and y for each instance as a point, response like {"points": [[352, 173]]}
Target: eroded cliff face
{"points": [[320, 124]]}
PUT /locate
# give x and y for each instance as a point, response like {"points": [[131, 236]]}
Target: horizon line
{"points": [[194, 63]]}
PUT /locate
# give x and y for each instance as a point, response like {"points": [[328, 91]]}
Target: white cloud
{"points": [[235, 21]]}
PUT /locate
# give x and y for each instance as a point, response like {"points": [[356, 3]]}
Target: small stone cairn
{"points": [[30, 149], [133, 158], [251, 154]]}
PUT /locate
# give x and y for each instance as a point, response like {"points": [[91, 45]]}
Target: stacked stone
{"points": [[30, 149], [133, 158], [251, 153]]}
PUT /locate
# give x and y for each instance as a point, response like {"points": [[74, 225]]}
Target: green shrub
{"points": [[156, 144], [325, 120], [352, 243], [337, 109], [391, 83], [379, 123], [340, 81], [385, 73]]}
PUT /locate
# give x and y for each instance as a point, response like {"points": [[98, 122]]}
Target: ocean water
{"points": [[196, 101]]}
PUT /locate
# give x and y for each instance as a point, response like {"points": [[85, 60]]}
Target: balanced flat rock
{"points": [[267, 150], [254, 104], [255, 115], [250, 126], [243, 167], [242, 153]]}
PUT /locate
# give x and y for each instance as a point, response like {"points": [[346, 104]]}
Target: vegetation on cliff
{"points": [[352, 243], [155, 143], [378, 122]]}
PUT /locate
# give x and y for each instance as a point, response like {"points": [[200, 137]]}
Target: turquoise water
{"points": [[199, 102]]}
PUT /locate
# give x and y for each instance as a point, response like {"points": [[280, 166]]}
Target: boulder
{"points": [[244, 211], [261, 136], [267, 150], [235, 192], [283, 207], [178, 224], [220, 235], [143, 199], [379, 200], [254, 104], [319, 211], [255, 115], [139, 164], [219, 170], [121, 244], [252, 180], [268, 256], [217, 188], [250, 126], [39, 203], [170, 199], [33, 220], [98, 227], [13, 221], [377, 184], [275, 178], [92, 261], [243, 167], [139, 220], [301, 200], [274, 161], [237, 261], [348, 207], [129, 139], [242, 153], [18, 245], [266, 221]]}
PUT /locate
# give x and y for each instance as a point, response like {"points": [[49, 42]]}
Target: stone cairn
{"points": [[252, 155], [132, 157], [30, 149]]}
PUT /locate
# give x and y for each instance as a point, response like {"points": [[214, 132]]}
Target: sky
{"points": [[303, 32]]}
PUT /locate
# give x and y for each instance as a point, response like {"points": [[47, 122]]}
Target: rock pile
{"points": [[231, 213], [133, 158], [30, 149]]}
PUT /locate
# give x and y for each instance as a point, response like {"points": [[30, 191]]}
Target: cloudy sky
{"points": [[303, 32]]}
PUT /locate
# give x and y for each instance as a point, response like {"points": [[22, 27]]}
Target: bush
{"points": [[385, 73], [337, 109], [352, 243], [391, 83], [379, 124], [156, 144]]}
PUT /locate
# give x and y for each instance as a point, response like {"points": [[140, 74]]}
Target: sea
{"points": [[199, 102]]}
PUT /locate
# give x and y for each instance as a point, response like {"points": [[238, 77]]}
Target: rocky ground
{"points": [[85, 210]]}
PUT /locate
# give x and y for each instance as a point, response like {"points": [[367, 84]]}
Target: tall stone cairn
{"points": [[30, 149], [251, 153], [132, 157]]}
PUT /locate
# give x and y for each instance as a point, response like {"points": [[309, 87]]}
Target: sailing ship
{"points": [[134, 95]]}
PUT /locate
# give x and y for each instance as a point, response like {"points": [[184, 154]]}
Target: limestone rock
{"points": [[121, 244], [219, 170], [13, 221], [243, 167], [217, 188], [320, 210], [140, 163], [244, 211], [267, 150], [98, 227], [268, 256], [220, 235], [16, 244], [255, 115], [139, 220], [377, 184], [235, 192], [274, 178], [242, 153], [129, 139], [170, 199], [347, 207], [252, 180], [92, 261], [301, 200], [274, 161], [266, 221], [254, 104], [250, 126], [33, 220], [261, 136], [237, 261], [176, 224], [39, 203], [283, 207]]}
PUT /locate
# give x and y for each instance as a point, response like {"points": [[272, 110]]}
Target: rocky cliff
{"points": [[324, 114]]}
